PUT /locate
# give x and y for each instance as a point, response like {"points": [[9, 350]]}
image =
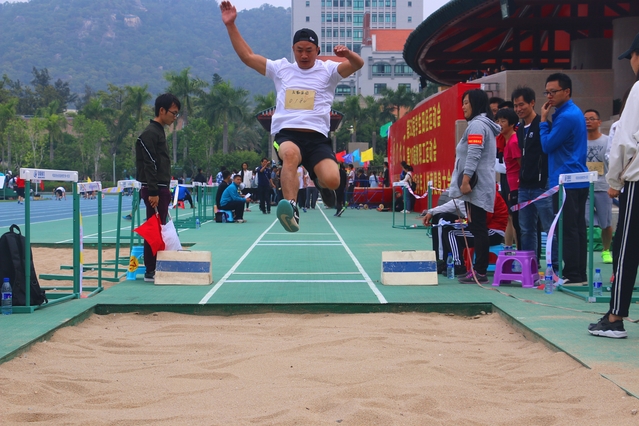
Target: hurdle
{"points": [[50, 175], [78, 266], [404, 225], [591, 178], [204, 198]]}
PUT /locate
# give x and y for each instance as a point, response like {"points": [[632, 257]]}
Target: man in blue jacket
{"points": [[566, 143], [232, 200]]}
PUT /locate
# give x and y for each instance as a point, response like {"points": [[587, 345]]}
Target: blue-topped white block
{"points": [[184, 268], [409, 267]]}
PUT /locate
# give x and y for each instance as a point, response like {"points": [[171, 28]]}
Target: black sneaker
{"points": [[605, 328], [470, 279], [288, 215], [149, 277], [441, 267], [328, 195]]}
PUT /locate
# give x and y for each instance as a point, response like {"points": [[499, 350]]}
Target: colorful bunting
{"points": [[356, 156], [340, 156], [367, 155], [348, 158], [383, 131]]}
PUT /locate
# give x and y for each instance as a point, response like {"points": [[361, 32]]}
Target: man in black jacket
{"points": [[153, 165], [533, 175]]}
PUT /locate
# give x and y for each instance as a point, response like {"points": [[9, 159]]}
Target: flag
{"points": [[348, 158], [340, 156], [356, 156], [151, 231], [367, 155], [210, 182], [383, 131], [88, 179]]}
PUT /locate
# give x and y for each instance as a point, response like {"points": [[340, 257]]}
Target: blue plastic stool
{"points": [[229, 215], [137, 251]]}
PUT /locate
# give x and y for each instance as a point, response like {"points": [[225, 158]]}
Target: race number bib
{"points": [[299, 99], [596, 166]]}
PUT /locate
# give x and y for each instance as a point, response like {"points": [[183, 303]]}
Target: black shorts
{"points": [[20, 192], [313, 146]]}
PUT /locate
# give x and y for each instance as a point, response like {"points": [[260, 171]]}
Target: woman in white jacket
{"points": [[623, 174]]}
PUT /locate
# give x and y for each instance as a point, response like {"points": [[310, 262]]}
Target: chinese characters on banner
{"points": [[425, 139]]}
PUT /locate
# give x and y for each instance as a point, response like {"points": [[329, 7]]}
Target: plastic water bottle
{"points": [[197, 223], [548, 284], [450, 267], [597, 284], [7, 298], [223, 217]]}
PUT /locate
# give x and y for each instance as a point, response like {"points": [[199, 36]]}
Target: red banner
{"points": [[425, 139]]}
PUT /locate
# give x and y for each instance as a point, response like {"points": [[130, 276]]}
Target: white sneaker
{"points": [[240, 221]]}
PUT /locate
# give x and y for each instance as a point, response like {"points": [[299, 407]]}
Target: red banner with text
{"points": [[425, 139]]}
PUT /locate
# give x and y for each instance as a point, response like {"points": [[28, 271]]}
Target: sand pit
{"points": [[359, 369]]}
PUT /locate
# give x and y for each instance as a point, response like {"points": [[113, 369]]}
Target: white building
{"points": [[342, 21]]}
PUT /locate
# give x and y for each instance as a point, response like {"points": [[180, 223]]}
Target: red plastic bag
{"points": [[151, 231]]}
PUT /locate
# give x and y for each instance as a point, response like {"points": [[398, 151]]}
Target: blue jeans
{"points": [[542, 210]]}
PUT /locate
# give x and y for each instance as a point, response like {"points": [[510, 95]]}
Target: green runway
{"points": [[331, 265]]}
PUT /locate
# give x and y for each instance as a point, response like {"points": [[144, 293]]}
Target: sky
{"points": [[429, 5]]}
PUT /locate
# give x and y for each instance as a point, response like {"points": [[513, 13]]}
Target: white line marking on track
{"points": [[296, 273], [295, 244], [230, 272], [295, 281], [370, 282]]}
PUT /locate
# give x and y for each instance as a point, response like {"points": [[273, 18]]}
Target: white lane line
{"points": [[230, 272], [295, 281], [294, 244], [299, 241], [302, 233], [296, 273], [361, 270]]}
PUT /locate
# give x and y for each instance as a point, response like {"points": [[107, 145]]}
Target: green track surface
{"points": [[331, 265]]}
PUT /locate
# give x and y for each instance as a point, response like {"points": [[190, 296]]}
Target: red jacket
{"points": [[498, 220]]}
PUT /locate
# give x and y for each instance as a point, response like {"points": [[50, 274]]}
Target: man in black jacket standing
{"points": [[533, 175], [153, 165]]}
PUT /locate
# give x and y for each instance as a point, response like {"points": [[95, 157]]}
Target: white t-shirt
{"points": [[301, 176], [322, 79], [61, 189], [246, 180]]}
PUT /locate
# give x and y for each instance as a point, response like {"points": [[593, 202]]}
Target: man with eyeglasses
{"points": [[533, 175], [597, 161], [566, 143], [153, 165]]}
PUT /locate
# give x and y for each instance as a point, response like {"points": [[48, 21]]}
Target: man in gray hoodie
{"points": [[473, 179]]}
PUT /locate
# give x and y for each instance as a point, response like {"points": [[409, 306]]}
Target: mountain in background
{"points": [[135, 42]]}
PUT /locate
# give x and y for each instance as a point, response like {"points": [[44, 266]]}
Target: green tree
{"points": [[225, 105], [35, 133], [91, 135], [398, 99], [7, 114], [185, 88], [136, 98], [54, 124]]}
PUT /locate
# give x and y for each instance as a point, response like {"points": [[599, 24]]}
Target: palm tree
{"points": [[222, 105], [184, 87], [7, 113], [352, 110], [396, 99], [136, 98], [54, 124]]}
